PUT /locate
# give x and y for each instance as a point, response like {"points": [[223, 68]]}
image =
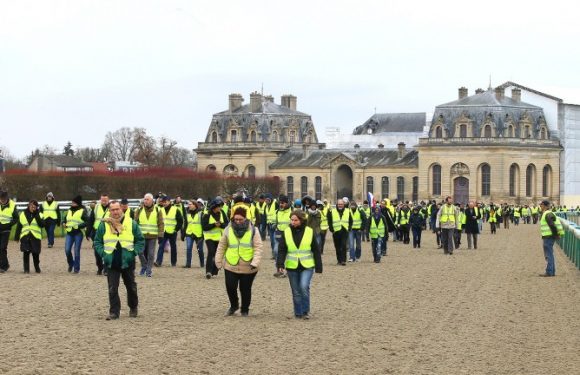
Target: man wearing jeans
{"points": [[447, 219], [551, 230], [151, 224], [355, 235], [75, 221], [51, 215], [172, 222]]}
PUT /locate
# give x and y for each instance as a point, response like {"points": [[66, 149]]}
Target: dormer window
{"points": [[463, 131], [214, 137], [253, 136], [487, 131], [292, 137], [369, 131], [233, 136], [438, 132]]}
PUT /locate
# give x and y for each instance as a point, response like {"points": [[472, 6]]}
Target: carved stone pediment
{"points": [[459, 169], [341, 159]]}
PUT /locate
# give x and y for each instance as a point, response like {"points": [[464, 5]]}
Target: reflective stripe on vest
{"points": [[169, 219], [302, 254], [356, 219], [6, 213], [324, 219], [377, 231], [241, 248], [148, 225], [545, 229], [216, 232], [194, 225], [31, 227], [271, 213], [448, 214], [282, 220], [49, 210], [340, 222], [74, 220], [126, 238], [100, 213]]}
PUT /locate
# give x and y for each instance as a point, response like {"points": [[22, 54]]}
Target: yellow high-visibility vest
{"points": [[31, 227], [448, 214], [100, 213], [169, 219], [282, 219], [241, 248], [49, 210], [74, 220], [215, 234], [356, 219], [125, 238], [545, 228], [302, 254], [194, 225], [6, 213], [149, 225]]}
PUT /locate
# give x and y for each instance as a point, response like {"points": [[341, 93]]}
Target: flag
{"points": [[371, 199]]}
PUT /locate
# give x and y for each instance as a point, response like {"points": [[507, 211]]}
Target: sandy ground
{"points": [[417, 312]]}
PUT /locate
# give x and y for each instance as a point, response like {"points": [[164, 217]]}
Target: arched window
{"points": [[415, 197], [438, 132], [370, 185], [274, 136], [384, 187], [401, 189], [234, 136], [514, 171], [436, 178], [511, 131], [303, 186], [485, 180], [463, 130], [253, 136], [318, 188], [546, 180], [251, 171], [214, 137], [290, 188], [210, 168], [530, 180], [292, 137], [487, 131]]}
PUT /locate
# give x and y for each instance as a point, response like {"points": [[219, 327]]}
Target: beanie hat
{"points": [[50, 195], [78, 200]]}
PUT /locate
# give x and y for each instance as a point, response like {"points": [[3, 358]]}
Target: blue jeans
{"points": [[300, 284], [549, 255], [277, 236], [377, 248], [50, 232], [76, 240], [173, 244], [355, 238], [189, 247], [271, 233]]}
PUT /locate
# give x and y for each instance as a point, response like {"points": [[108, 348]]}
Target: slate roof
{"points": [[66, 161], [507, 84], [393, 123], [364, 157], [486, 106]]}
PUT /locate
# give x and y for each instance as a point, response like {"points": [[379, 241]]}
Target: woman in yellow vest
{"points": [[29, 233], [213, 224], [299, 254], [75, 222], [239, 252], [493, 218], [193, 234]]}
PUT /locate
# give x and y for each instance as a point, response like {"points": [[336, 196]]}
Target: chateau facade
{"points": [[487, 147]]}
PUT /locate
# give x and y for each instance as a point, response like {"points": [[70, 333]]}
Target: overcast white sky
{"points": [[73, 70]]}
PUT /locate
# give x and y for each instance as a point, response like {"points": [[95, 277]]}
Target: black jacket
{"points": [[29, 217]]}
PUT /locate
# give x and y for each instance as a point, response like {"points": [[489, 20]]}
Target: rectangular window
{"points": [[318, 188], [415, 189], [370, 185], [401, 189], [303, 186], [290, 188], [384, 187]]}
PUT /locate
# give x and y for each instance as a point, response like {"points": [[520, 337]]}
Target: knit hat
{"points": [[124, 201], [50, 195], [78, 200]]}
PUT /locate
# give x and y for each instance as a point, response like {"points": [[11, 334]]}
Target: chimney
{"points": [[381, 145], [235, 101], [269, 98], [462, 92], [255, 102], [305, 151], [517, 94], [289, 101], [499, 93], [479, 91], [401, 150]]}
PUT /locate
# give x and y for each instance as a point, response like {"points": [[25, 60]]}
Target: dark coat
{"points": [[471, 224]]}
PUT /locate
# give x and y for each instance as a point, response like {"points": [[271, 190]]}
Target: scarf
{"points": [[115, 224], [240, 229]]}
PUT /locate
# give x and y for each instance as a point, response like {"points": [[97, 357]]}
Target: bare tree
{"points": [[182, 157], [121, 143], [145, 147], [166, 148], [91, 154]]}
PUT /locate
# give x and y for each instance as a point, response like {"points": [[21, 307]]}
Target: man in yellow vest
{"points": [[271, 209], [29, 233], [50, 211], [119, 240], [100, 212], [282, 222], [261, 217], [340, 224], [172, 222], [323, 223], [213, 224], [355, 234], [8, 217], [550, 229], [365, 230], [150, 222], [447, 219]]}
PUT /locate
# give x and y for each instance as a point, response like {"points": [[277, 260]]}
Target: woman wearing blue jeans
{"points": [[299, 254], [75, 221]]}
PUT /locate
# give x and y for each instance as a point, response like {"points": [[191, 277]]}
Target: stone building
{"points": [[491, 148], [486, 146]]}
